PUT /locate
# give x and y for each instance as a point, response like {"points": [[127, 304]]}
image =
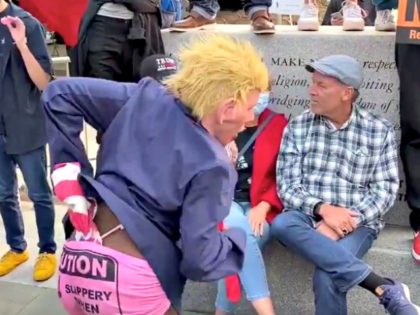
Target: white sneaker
{"points": [[308, 19], [353, 16], [385, 21]]}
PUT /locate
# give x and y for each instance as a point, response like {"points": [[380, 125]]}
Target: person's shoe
{"points": [[261, 23], [11, 260], [396, 300], [45, 267], [416, 247], [353, 16], [384, 21], [192, 23], [308, 19]]}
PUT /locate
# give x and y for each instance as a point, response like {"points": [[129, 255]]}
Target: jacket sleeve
{"points": [[208, 254], [267, 144], [69, 103]]}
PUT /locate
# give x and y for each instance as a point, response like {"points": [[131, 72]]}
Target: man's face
{"points": [[233, 117], [327, 95]]}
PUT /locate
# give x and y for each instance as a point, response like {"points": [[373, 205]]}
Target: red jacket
{"points": [[263, 180], [60, 16]]}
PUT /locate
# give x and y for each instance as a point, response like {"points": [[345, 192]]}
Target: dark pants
{"points": [[408, 62], [33, 167], [209, 8], [112, 55]]}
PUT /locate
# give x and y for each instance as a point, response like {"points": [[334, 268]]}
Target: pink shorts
{"points": [[98, 280]]}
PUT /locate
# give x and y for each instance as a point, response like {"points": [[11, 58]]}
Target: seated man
{"points": [[334, 13], [337, 175]]}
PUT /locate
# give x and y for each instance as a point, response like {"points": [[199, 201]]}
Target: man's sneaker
{"points": [[308, 19], [45, 267], [192, 23], [416, 247], [396, 300], [11, 260], [261, 23], [385, 21], [353, 16]]}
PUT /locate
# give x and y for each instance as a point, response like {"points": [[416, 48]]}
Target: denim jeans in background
{"points": [[252, 6], [210, 8], [385, 4], [338, 264], [205, 8], [252, 276], [33, 168]]}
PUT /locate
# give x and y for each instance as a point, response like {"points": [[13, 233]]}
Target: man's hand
{"points": [[257, 216], [16, 28], [341, 220], [327, 231]]}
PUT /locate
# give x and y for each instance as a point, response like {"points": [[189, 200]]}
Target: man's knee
{"points": [[7, 197], [238, 221], [286, 221], [322, 281]]}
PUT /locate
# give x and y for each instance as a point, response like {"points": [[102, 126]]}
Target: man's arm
{"points": [[69, 102], [383, 187], [208, 254], [289, 176], [31, 45]]}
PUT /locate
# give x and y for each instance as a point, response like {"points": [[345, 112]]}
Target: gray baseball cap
{"points": [[344, 68]]}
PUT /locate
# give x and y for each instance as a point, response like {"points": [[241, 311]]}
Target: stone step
{"points": [[290, 279], [288, 50]]}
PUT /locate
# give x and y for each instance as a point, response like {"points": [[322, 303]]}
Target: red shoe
{"points": [[416, 247]]}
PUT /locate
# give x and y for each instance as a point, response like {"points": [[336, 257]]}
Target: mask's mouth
{"points": [[262, 103]]}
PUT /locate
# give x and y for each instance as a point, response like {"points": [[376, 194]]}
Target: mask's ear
{"points": [[226, 111]]}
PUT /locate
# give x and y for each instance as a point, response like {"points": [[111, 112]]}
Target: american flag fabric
{"points": [[81, 211]]}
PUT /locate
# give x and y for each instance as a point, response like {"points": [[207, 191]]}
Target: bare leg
{"points": [[264, 306]]}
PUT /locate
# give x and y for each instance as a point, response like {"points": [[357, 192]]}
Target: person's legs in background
{"points": [[107, 38], [408, 63], [34, 170], [202, 15], [384, 19], [253, 275], [11, 214], [257, 10]]}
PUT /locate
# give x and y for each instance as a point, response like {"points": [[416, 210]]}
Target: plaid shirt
{"points": [[355, 166]]}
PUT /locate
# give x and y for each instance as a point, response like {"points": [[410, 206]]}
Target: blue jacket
{"points": [[20, 99], [162, 174]]}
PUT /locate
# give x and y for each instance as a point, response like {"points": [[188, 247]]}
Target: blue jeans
{"points": [[338, 264], [209, 8], [252, 276], [33, 167], [385, 4]]}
